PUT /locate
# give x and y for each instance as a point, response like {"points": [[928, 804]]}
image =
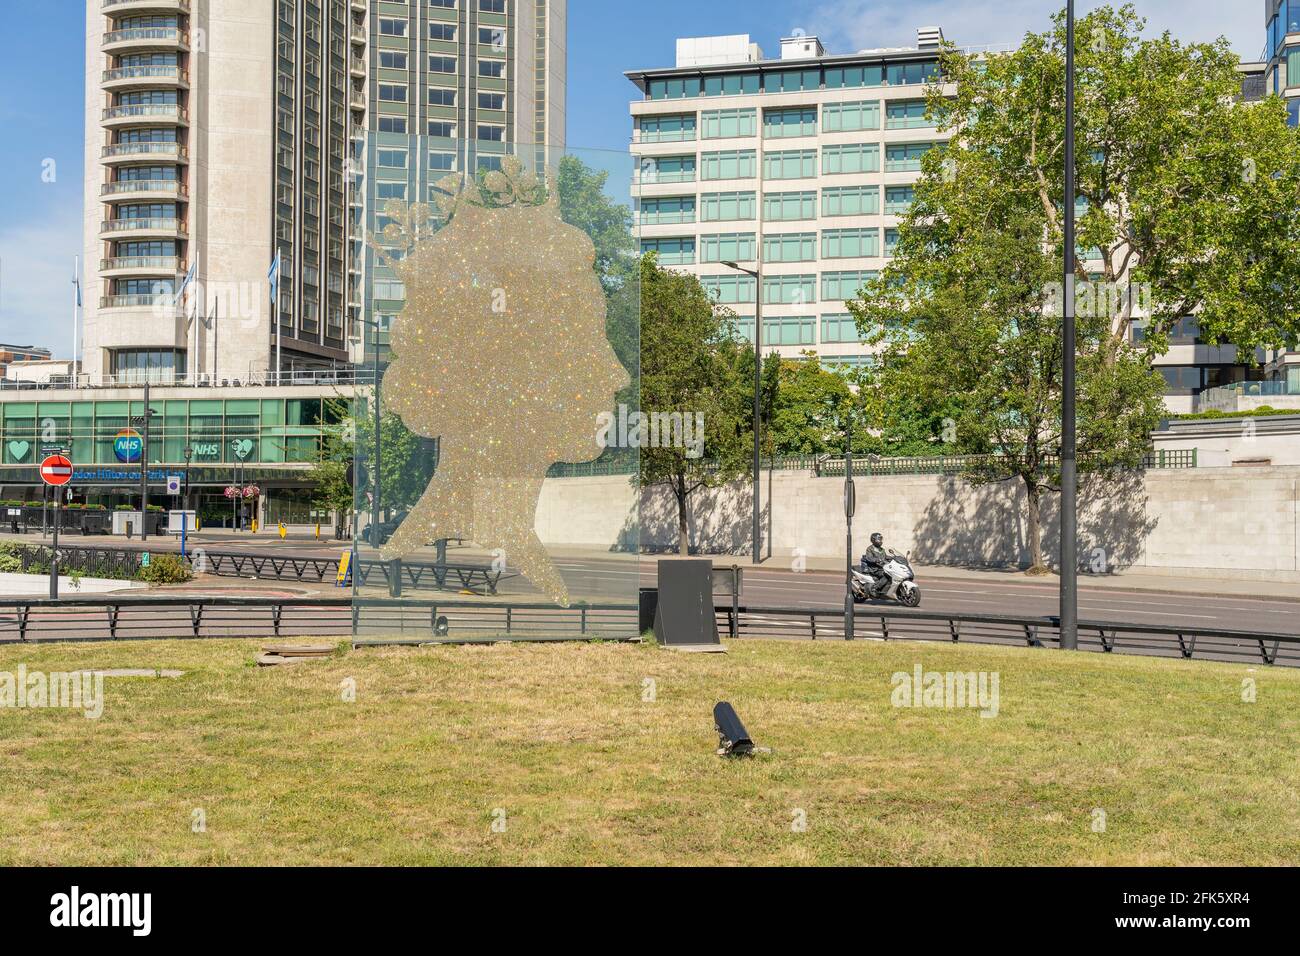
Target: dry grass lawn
{"points": [[559, 740]]}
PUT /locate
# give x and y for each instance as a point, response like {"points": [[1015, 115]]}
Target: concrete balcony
{"points": [[144, 114], [141, 267], [357, 100], [145, 77], [122, 153], [143, 229], [121, 8], [143, 39], [137, 190], [358, 67], [161, 302]]}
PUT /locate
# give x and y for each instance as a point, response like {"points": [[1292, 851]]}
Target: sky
{"points": [[41, 114]]}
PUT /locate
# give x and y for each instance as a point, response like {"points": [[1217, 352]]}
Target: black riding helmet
{"points": [[877, 540]]}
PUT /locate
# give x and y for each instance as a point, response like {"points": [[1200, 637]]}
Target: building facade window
{"points": [[790, 164], [728, 247], [850, 200], [779, 124], [729, 164], [851, 117], [725, 207], [790, 247], [839, 327], [730, 289], [790, 207], [671, 252], [850, 158], [843, 286], [850, 243], [789, 290], [728, 124]]}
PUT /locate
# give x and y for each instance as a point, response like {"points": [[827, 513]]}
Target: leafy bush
{"points": [[10, 562], [165, 569]]}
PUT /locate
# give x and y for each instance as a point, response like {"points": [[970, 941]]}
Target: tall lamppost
{"points": [[374, 470], [185, 497], [1069, 473], [758, 387]]}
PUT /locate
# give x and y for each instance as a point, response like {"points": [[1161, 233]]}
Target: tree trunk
{"points": [[683, 531], [1034, 532]]}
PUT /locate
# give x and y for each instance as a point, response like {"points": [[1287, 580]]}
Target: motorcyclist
{"points": [[874, 558]]}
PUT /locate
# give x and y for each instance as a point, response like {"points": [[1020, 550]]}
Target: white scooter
{"points": [[897, 584]]}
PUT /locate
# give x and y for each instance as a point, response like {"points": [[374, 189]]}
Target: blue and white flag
{"points": [[274, 275], [189, 277]]}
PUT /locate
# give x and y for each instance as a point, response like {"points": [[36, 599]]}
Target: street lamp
{"points": [[758, 386], [1069, 475], [185, 496], [143, 422], [374, 504]]}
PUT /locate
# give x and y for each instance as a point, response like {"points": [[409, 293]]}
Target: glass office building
{"points": [[806, 161]]}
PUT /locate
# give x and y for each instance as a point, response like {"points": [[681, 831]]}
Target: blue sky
{"points": [[41, 115]]}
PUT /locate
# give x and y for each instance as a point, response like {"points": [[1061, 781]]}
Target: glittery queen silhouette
{"points": [[501, 353]]}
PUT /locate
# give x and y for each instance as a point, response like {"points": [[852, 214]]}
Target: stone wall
{"points": [[1244, 520]]}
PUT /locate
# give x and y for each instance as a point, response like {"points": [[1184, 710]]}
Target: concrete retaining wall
{"points": [[1245, 520]]}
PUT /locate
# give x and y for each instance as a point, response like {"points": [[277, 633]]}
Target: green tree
{"points": [[407, 461], [968, 314], [808, 408], [586, 204], [1188, 194], [691, 364]]}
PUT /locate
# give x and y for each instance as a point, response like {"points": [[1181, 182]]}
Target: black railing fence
{"points": [[396, 576], [368, 622]]}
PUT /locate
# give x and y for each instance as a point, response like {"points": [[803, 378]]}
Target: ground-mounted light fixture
{"points": [[733, 738]]}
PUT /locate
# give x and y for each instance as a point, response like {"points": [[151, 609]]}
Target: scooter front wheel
{"points": [[910, 597]]}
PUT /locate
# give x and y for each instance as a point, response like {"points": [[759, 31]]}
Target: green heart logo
{"points": [[19, 449], [243, 447]]}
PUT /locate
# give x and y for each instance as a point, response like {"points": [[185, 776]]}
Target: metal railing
{"points": [[126, 186], [132, 110], [167, 35], [893, 624], [162, 72], [373, 622], [365, 622], [170, 264], [114, 563], [108, 5], [1225, 398], [167, 148], [343, 377], [832, 466], [393, 575], [143, 225]]}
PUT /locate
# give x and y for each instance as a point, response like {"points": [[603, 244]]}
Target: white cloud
{"points": [[849, 25], [36, 293]]}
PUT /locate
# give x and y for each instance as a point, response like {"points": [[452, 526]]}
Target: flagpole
{"points": [[76, 301], [216, 312]]}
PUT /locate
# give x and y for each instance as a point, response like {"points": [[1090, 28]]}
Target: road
{"points": [[617, 578]]}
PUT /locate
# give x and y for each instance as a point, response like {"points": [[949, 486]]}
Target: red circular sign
{"points": [[56, 470]]}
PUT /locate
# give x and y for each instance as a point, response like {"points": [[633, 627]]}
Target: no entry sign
{"points": [[56, 470]]}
